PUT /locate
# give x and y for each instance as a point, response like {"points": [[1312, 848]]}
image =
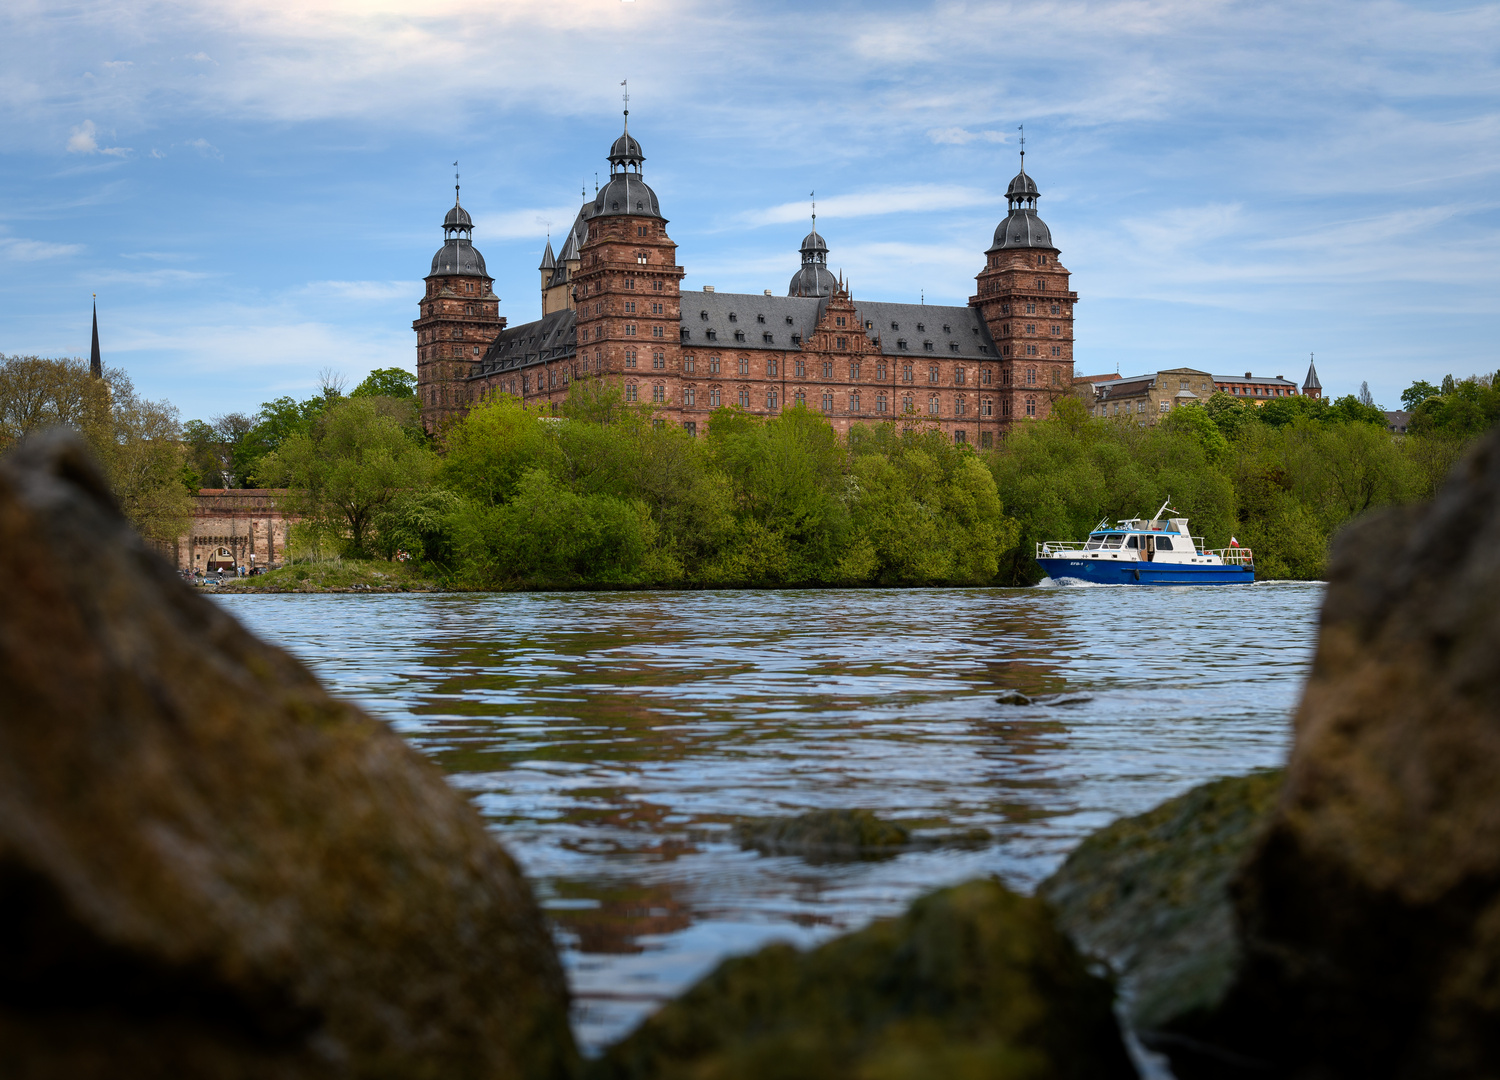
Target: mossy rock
{"points": [[972, 981], [1150, 895], [840, 835]]}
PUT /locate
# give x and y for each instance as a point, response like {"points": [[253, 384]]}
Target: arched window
{"points": [[1031, 406]]}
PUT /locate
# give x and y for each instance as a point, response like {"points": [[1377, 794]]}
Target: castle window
{"points": [[869, 325], [1031, 328], [1164, 406], [468, 309], [658, 393], [630, 392], [960, 436], [953, 346], [658, 361], [908, 405], [960, 406], [984, 376], [691, 427], [921, 328], [934, 404], [841, 343], [1031, 350], [713, 365], [771, 366], [767, 338], [1031, 309], [827, 369], [640, 257], [880, 372], [796, 339], [630, 329], [1031, 376], [1005, 350], [690, 396], [1056, 329], [827, 402], [476, 350], [1040, 285], [713, 335], [630, 358], [703, 315], [1005, 407], [932, 373], [771, 399], [640, 230], [854, 402], [1056, 377], [1005, 309], [744, 397], [986, 407], [739, 335], [551, 378], [656, 285], [630, 307], [689, 363], [657, 331], [959, 375], [658, 309], [801, 398], [789, 321], [895, 326], [986, 439], [854, 373], [733, 317], [900, 343], [801, 369], [713, 398], [880, 403], [744, 363], [906, 373], [630, 283], [1005, 328], [760, 318], [840, 321], [1055, 310]]}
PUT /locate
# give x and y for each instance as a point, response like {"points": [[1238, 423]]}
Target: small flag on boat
{"points": [[1233, 542]]}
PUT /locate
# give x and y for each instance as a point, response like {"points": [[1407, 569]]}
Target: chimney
{"points": [[708, 288], [768, 292], [1248, 375]]}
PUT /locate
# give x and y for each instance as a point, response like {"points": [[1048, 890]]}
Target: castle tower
{"points": [[1025, 301], [627, 285], [814, 279], [458, 318]]}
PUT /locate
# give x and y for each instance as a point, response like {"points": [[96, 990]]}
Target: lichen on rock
{"points": [[974, 981]]}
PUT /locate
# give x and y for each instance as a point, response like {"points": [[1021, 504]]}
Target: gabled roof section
{"points": [[951, 331], [552, 337], [747, 320]]}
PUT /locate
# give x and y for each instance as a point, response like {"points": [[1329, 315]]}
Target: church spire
{"points": [[96, 362]]}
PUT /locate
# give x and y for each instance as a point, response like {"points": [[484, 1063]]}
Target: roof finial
{"points": [[813, 195], [1022, 130], [626, 95], [455, 183], [596, 184]]}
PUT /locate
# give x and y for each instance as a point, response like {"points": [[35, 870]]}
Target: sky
{"points": [[254, 190]]}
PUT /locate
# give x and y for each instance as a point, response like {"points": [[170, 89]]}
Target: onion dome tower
{"points": [[457, 319], [627, 289], [1025, 300], [814, 279]]}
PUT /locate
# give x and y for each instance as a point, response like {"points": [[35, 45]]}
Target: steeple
{"points": [[1311, 387], [549, 260], [625, 152], [96, 362]]}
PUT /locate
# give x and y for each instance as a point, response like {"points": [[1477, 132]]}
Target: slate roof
{"points": [[1139, 384], [944, 327], [458, 257], [706, 320], [1261, 380], [552, 337], [1311, 382]]}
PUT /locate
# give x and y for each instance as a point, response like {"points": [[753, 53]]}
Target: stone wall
{"points": [[247, 523]]}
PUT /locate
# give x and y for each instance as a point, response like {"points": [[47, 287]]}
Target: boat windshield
{"points": [[1096, 541], [1112, 540]]}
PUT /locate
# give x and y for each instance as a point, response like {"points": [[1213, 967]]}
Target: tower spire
{"points": [[455, 183], [625, 83], [96, 362], [1022, 130]]}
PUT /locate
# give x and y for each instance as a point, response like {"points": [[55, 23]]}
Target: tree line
{"points": [[608, 494]]}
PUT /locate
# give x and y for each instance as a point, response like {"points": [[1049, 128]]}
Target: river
{"points": [[611, 739]]}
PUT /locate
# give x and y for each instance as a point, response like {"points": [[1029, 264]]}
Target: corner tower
{"points": [[627, 287], [457, 319], [814, 279], [1025, 301]]}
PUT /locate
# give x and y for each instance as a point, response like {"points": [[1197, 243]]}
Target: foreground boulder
{"points": [[1150, 895], [1370, 910], [208, 866], [972, 982]]}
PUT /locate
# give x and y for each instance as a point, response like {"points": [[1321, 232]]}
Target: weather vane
{"points": [[813, 195], [455, 183], [1022, 130]]}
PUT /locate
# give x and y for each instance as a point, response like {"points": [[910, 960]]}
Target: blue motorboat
{"points": [[1138, 551]]}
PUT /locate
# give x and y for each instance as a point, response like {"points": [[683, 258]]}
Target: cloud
{"points": [[21, 250], [374, 291], [201, 57], [957, 136], [151, 279], [84, 140], [204, 147], [526, 224], [905, 199]]}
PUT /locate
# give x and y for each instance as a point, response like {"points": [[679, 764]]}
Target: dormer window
{"points": [[927, 345], [920, 328], [733, 317], [796, 338], [760, 318], [953, 345], [895, 326], [766, 337], [789, 320], [947, 329], [703, 315], [900, 343], [739, 335], [713, 335]]}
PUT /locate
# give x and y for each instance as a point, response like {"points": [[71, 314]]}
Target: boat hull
{"points": [[1111, 572]]}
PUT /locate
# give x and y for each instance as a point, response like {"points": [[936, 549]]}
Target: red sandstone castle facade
{"points": [[613, 307]]}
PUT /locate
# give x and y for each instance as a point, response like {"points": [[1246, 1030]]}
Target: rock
{"points": [[973, 981], [1012, 697], [1370, 909], [841, 835], [208, 866], [1150, 896]]}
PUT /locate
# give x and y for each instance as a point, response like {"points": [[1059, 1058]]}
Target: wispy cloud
{"points": [[958, 136], [526, 224], [21, 250], [204, 147], [906, 199], [366, 291], [84, 140]]}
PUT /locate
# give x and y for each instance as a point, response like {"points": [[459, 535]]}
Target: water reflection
{"points": [[613, 739]]}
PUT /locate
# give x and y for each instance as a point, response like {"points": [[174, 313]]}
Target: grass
{"points": [[338, 575]]}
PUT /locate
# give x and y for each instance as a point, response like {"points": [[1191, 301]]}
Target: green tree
{"points": [[388, 382], [1417, 393], [353, 463]]}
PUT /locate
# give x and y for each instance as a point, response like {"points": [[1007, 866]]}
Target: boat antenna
{"points": [[1157, 516]]}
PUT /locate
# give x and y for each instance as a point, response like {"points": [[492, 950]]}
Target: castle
{"points": [[612, 307]]}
